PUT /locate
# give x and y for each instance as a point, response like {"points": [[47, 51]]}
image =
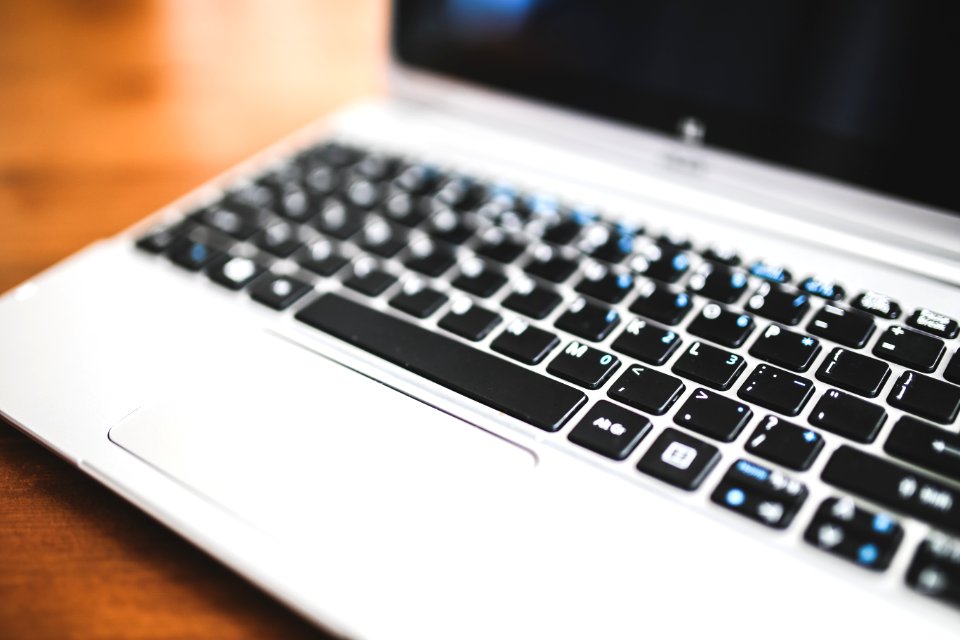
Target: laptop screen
{"points": [[864, 91]]}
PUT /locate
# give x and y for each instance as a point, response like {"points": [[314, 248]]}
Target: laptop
{"points": [[610, 320]]}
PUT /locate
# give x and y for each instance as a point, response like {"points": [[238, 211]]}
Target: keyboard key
{"points": [[848, 416], [418, 178], [610, 430], [406, 209], [660, 303], [278, 292], [935, 568], [588, 320], [603, 243], [281, 239], [382, 238], [194, 256], [429, 257], [363, 193], [522, 342], [926, 397], [854, 372], [770, 271], [893, 486], [718, 283], [368, 277], [533, 300], [781, 305], [468, 320], [518, 392], [776, 389], [417, 299], [721, 254], [713, 415], [548, 263], [605, 284], [952, 372], [662, 263], [786, 348], [867, 538], [241, 222], [479, 278], [646, 389], [785, 443], [679, 459], [849, 328], [724, 327], [163, 240], [583, 365], [449, 226], [562, 230], [497, 245], [710, 366], [926, 446], [769, 497], [878, 304], [235, 273], [933, 323], [910, 348], [823, 287], [339, 220], [322, 257], [647, 342]]}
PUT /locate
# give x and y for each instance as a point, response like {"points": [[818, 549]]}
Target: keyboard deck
{"points": [[647, 350]]}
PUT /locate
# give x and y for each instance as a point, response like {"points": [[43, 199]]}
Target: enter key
{"points": [[926, 446]]}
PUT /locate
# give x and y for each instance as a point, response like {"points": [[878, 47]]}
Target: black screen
{"points": [[864, 91]]}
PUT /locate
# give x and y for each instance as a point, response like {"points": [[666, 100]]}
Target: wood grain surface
{"points": [[108, 110]]}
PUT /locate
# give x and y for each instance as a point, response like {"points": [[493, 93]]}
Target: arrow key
{"points": [[926, 446], [867, 538]]}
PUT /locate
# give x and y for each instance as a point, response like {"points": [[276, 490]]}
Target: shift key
{"points": [[895, 487]]}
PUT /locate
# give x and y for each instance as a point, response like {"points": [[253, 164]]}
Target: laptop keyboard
{"points": [[524, 305]]}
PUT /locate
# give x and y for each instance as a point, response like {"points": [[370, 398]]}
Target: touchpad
{"points": [[288, 439]]}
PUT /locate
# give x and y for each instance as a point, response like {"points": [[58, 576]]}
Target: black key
{"points": [[713, 415], [849, 328], [162, 241], [530, 299], [588, 320], [854, 372], [785, 443], [770, 271], [278, 292], [679, 459], [603, 243], [776, 389], [605, 284], [610, 430], [660, 303], [280, 239], [548, 263], [647, 342], [823, 288], [418, 178], [238, 221], [377, 167], [406, 209], [235, 272], [295, 202], [675, 238], [661, 263], [429, 257], [563, 230], [368, 277], [719, 283], [497, 245], [646, 389], [776, 303], [382, 238], [450, 226], [909, 348], [848, 416], [877, 304], [867, 538], [583, 365], [926, 397], [952, 371], [339, 220], [926, 446], [722, 255], [724, 327], [479, 278], [363, 193], [786, 348], [322, 257], [417, 299], [710, 366], [469, 321], [522, 342], [769, 497], [194, 256], [321, 180], [526, 395], [933, 323], [935, 568], [893, 486]]}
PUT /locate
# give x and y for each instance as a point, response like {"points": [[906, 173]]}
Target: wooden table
{"points": [[109, 109]]}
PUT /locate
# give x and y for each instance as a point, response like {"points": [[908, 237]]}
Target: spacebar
{"points": [[517, 392]]}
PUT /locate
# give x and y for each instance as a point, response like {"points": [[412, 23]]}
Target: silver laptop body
{"points": [[383, 504]]}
